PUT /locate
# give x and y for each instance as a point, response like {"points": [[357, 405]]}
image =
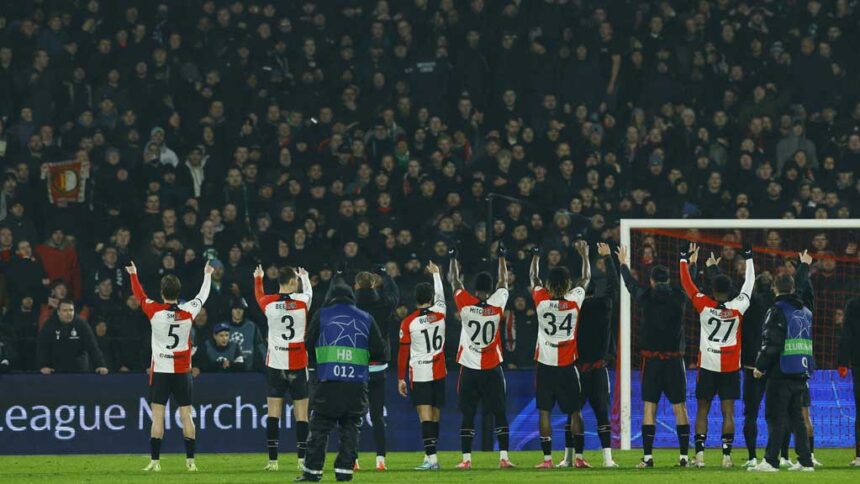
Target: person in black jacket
{"points": [[786, 358], [67, 344], [661, 339], [849, 356], [378, 295], [595, 345], [341, 340]]}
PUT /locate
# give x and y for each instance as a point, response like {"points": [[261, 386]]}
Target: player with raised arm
{"points": [[558, 306], [422, 352], [480, 356], [594, 344], [720, 321], [661, 337], [287, 358], [170, 369]]}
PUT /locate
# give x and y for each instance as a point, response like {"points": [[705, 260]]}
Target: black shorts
{"points": [[664, 377], [163, 385], [594, 388], [429, 393], [805, 399], [482, 386], [282, 381], [558, 384], [711, 383]]}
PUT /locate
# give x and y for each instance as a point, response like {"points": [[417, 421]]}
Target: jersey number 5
{"points": [[718, 323], [173, 335]]}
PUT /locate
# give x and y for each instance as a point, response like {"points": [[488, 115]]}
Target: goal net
{"points": [[776, 244]]}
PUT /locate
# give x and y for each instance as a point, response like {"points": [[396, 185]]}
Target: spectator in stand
{"points": [[68, 345], [60, 261], [24, 275], [247, 336], [356, 140], [223, 354]]}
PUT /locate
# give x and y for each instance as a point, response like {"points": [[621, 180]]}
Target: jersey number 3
{"points": [[289, 322]]}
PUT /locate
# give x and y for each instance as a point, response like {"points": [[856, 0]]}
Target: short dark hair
{"points": [[286, 275], [364, 280], [424, 293], [483, 282], [558, 281], [170, 287], [722, 284], [67, 302], [660, 274], [784, 284]]}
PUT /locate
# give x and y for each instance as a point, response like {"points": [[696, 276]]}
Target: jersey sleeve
{"points": [[699, 299], [539, 295], [193, 307], [146, 304], [499, 298], [403, 354], [438, 295], [307, 293], [742, 301], [462, 298], [577, 295], [203, 295], [259, 294]]}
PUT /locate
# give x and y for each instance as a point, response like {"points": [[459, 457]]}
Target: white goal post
{"points": [[625, 342]]}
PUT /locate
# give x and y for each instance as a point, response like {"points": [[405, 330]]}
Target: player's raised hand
{"points": [[258, 272], [131, 268], [432, 268], [301, 272], [208, 269], [581, 247], [401, 387], [712, 261], [603, 249], [746, 252], [805, 257], [623, 255], [694, 253]]}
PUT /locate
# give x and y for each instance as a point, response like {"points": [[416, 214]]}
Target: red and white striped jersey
{"points": [[480, 336], [557, 325], [422, 340], [171, 328], [720, 323], [287, 317]]}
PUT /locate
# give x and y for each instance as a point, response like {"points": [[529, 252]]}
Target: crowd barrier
{"points": [[83, 414]]}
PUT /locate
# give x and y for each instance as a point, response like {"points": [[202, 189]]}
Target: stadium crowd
{"points": [[368, 133]]}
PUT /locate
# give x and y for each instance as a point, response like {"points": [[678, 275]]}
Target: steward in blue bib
{"points": [[786, 359], [341, 341]]}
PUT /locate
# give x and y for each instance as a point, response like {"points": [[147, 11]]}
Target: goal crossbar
{"points": [[624, 336]]}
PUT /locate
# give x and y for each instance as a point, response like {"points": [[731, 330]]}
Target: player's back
{"points": [[424, 331], [287, 317], [557, 326], [720, 332], [480, 334], [171, 334]]}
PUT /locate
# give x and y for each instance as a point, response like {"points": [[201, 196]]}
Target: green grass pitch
{"points": [[242, 468]]}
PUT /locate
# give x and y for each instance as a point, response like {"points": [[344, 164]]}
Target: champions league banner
{"points": [[91, 414]]}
